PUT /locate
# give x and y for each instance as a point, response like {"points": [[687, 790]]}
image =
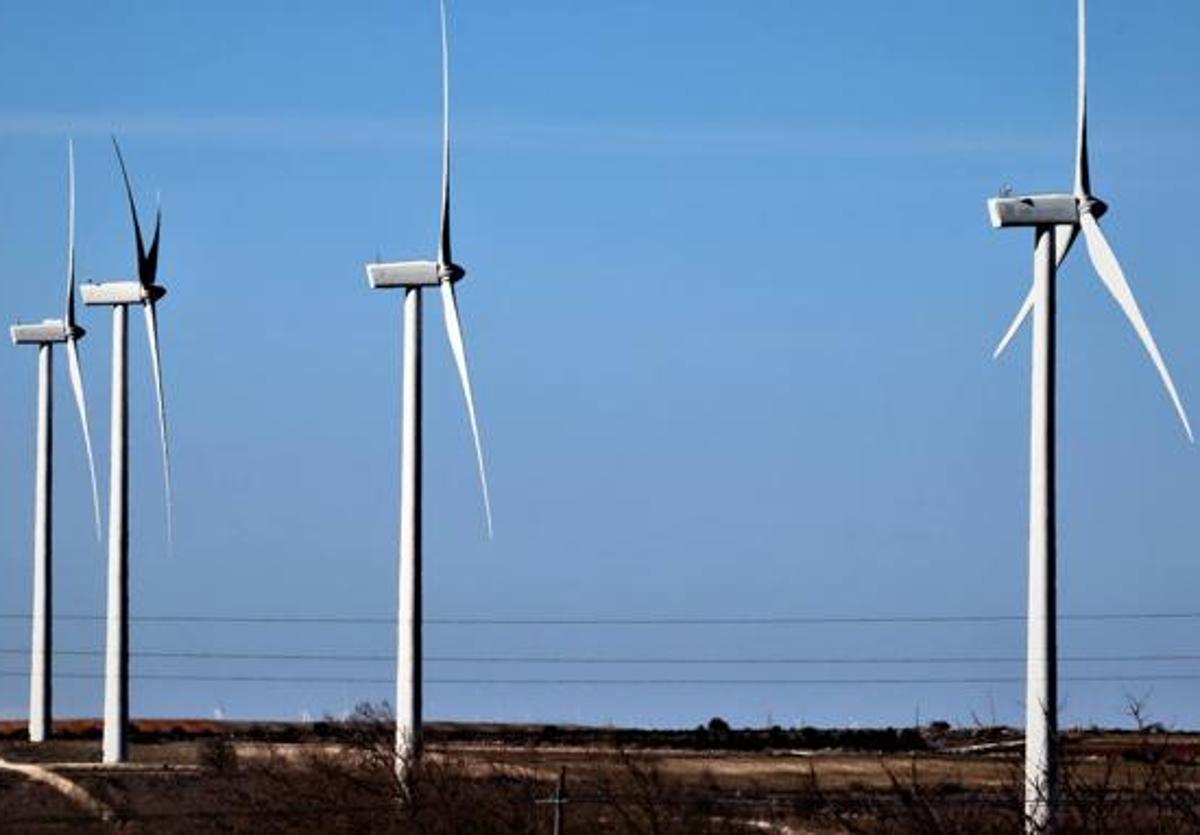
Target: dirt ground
{"points": [[210, 777]]}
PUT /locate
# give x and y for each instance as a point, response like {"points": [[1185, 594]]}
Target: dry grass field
{"points": [[189, 776]]}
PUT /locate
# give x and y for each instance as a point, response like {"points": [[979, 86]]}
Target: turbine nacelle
{"points": [[121, 292], [395, 274], [46, 332], [1043, 210]]}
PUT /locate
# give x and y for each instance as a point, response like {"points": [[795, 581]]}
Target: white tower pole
{"points": [[408, 649], [40, 683], [1041, 675], [116, 663]]}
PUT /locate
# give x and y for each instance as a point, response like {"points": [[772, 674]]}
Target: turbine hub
{"points": [[1093, 206], [450, 272]]}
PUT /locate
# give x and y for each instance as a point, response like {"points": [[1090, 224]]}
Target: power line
{"points": [[800, 620], [609, 660], [623, 682]]}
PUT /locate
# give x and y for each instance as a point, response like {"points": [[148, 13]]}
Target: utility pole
{"points": [[558, 801]]}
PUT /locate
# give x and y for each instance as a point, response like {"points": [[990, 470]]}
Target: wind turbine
{"points": [[413, 277], [1057, 219], [119, 295], [45, 336]]}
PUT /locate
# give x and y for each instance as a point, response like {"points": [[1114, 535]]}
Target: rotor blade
{"points": [[137, 226], [152, 257], [76, 372], [1064, 236], [444, 256], [1017, 321], [1083, 178], [1114, 279], [156, 364], [454, 331], [69, 318]]}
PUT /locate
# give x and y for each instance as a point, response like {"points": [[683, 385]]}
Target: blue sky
{"points": [[731, 302]]}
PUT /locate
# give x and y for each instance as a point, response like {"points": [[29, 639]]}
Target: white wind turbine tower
{"points": [[412, 277], [119, 295], [1057, 220], [45, 335]]}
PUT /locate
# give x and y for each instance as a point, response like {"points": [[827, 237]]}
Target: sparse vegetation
{"points": [[338, 776], [218, 754]]}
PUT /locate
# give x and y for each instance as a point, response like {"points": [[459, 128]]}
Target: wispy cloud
{"points": [[208, 129], [750, 140], [541, 136]]}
